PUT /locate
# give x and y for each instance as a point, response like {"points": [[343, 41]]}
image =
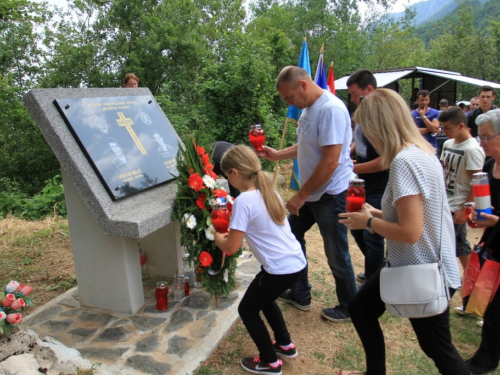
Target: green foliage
{"points": [[236, 92], [50, 201]]}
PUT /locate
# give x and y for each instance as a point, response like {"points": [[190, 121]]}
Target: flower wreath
{"points": [[197, 191], [13, 299]]}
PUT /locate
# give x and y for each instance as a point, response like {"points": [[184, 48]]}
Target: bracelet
{"points": [[369, 225]]}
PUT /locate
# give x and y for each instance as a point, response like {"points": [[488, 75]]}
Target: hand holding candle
{"points": [[355, 196], [481, 188], [257, 137], [220, 216]]}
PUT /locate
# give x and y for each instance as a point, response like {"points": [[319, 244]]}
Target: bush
{"points": [[50, 201]]}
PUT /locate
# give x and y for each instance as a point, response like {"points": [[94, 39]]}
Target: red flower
{"points": [[200, 150], [211, 173], [220, 193], [205, 259], [205, 159], [200, 202], [196, 182], [229, 206]]}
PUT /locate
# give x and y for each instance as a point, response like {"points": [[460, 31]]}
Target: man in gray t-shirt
{"points": [[324, 135]]}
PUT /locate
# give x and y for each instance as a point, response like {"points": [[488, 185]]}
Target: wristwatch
{"points": [[369, 225]]}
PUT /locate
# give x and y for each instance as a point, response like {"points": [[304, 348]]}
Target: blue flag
{"points": [[320, 77], [294, 114]]}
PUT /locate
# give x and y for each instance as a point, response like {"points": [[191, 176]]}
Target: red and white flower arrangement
{"points": [[13, 299], [198, 189]]}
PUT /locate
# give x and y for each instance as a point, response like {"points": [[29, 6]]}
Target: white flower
{"points": [[190, 221], [209, 181], [210, 232], [12, 287], [226, 275]]}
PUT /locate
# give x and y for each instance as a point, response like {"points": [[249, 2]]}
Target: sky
{"points": [[399, 5]]}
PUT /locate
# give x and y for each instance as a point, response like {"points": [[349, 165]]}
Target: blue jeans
{"points": [[371, 245], [324, 212]]}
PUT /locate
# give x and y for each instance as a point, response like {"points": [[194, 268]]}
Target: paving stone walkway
{"points": [[153, 342]]}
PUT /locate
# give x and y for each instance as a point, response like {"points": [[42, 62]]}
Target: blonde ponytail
{"points": [[243, 159]]}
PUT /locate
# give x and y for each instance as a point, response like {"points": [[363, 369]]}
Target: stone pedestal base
{"points": [[107, 267]]}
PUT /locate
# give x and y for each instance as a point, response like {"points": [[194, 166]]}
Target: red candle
{"points": [[355, 196], [468, 210], [220, 218], [187, 291], [257, 137], [161, 295]]}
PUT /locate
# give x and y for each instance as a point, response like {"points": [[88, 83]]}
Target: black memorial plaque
{"points": [[127, 140]]}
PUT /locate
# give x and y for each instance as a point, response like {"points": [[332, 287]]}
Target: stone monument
{"points": [[117, 153]]}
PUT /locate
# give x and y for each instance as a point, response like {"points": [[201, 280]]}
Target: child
{"points": [[259, 216], [461, 157]]}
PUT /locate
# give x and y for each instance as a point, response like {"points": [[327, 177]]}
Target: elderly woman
{"points": [[488, 355], [415, 220]]}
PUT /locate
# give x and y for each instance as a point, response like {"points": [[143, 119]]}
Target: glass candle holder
{"points": [[187, 289], [220, 217], [178, 287], [355, 196], [161, 295], [142, 259], [482, 199], [468, 210], [257, 137]]}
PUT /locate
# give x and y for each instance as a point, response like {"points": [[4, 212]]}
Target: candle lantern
{"points": [[482, 199], [220, 216], [161, 295], [355, 196], [257, 137]]}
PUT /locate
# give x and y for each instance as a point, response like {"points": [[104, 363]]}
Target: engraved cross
{"points": [[127, 122]]}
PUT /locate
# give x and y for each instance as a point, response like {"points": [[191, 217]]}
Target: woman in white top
{"points": [[259, 216], [415, 220]]}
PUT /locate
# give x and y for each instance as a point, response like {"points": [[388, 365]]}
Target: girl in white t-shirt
{"points": [[259, 216]]}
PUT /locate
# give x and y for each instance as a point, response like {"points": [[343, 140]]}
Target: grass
{"points": [[37, 253]]}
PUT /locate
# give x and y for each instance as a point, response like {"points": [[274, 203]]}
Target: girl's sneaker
{"points": [[255, 366], [291, 352]]}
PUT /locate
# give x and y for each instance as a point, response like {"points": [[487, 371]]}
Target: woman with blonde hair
{"points": [[259, 216], [415, 220]]}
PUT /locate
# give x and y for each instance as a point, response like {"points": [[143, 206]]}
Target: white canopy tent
{"points": [[440, 83], [387, 77]]}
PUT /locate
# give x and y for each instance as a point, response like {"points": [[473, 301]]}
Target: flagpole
{"points": [[277, 167]]}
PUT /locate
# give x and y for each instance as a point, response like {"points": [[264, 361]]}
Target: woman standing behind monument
{"points": [[414, 214], [130, 81]]}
